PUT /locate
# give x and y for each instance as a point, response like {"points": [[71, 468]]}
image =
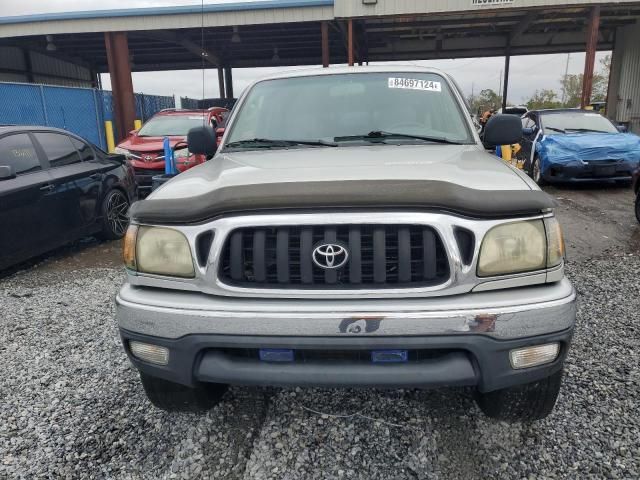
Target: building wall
{"points": [[44, 69], [358, 8], [623, 104]]}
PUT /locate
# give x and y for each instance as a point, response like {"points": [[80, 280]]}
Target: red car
{"points": [[144, 148]]}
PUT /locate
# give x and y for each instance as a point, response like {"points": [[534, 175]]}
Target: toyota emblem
{"points": [[330, 255]]}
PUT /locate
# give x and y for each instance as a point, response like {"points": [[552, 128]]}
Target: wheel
{"points": [[638, 206], [174, 397], [115, 215], [531, 401], [535, 172]]}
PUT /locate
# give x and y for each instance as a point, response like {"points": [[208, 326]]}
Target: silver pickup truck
{"points": [[350, 231]]}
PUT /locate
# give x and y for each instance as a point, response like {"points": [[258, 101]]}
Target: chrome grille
{"points": [[391, 256]]}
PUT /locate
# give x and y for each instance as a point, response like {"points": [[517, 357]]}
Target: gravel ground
{"points": [[71, 406]]}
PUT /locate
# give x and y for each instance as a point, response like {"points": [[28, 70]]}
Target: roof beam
{"points": [[167, 36], [522, 26]]}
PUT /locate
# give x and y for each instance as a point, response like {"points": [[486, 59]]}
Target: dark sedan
{"points": [[55, 188]]}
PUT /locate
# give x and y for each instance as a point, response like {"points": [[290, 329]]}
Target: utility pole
{"points": [[500, 86], [564, 80]]}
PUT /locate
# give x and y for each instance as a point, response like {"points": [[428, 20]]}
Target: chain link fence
{"points": [[82, 111]]}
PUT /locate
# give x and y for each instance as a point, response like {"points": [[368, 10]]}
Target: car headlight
{"points": [[121, 151], [182, 153], [521, 247], [513, 248], [159, 251]]}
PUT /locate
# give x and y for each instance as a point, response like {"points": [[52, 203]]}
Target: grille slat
{"points": [[306, 261], [282, 255], [355, 255], [429, 259], [380, 256], [237, 257], [404, 255], [259, 259]]}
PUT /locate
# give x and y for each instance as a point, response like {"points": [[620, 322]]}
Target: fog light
{"points": [[533, 356], [149, 353]]}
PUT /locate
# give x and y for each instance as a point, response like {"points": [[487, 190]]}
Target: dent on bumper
{"points": [[505, 314]]}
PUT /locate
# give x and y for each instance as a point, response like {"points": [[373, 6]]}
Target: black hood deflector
{"points": [[378, 194]]}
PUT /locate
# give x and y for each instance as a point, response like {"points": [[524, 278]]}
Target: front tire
{"points": [[535, 171], [531, 401], [173, 397], [115, 215]]}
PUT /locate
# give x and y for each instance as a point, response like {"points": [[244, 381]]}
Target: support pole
{"points": [[124, 102], [223, 93], [350, 42], [507, 61], [324, 30], [228, 80], [590, 58]]}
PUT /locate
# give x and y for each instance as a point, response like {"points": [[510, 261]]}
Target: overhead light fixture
{"points": [[235, 38], [51, 47], [276, 57]]}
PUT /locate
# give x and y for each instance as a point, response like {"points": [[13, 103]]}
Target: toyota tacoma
{"points": [[351, 231]]}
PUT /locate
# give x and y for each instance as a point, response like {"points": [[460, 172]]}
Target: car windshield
{"points": [[572, 122], [170, 125], [349, 109]]}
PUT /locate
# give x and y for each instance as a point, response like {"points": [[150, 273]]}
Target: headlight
{"points": [[555, 242], [513, 248], [160, 251], [121, 151], [183, 153]]}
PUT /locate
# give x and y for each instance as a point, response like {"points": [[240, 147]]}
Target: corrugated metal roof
{"points": [[178, 10]]}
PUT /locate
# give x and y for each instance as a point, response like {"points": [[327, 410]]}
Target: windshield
{"points": [[330, 108], [170, 125], [571, 122]]}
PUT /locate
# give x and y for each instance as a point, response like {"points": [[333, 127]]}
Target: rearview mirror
{"points": [[503, 130], [6, 172], [202, 141]]}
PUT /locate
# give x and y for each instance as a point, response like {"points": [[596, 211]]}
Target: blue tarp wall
{"points": [[82, 111]]}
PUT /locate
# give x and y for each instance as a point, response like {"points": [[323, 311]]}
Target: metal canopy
{"points": [[477, 33]]}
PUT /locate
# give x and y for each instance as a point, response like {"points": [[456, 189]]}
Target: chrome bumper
{"points": [[502, 314]]}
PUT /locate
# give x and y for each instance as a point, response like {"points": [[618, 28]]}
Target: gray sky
{"points": [[528, 73]]}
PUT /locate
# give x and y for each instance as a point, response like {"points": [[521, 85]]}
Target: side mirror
{"points": [[527, 131], [503, 130], [622, 128], [202, 141], [6, 172]]}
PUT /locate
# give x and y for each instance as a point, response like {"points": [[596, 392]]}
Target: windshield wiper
{"points": [[585, 130], [555, 129], [274, 143], [377, 135]]}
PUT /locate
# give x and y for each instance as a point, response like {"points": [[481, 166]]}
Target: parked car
{"points": [[577, 145], [350, 231], [514, 110], [636, 191], [56, 187], [144, 148]]}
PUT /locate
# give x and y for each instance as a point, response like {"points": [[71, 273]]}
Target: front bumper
{"points": [[469, 335], [579, 171]]}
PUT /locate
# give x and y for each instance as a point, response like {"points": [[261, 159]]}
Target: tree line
{"points": [[569, 95]]}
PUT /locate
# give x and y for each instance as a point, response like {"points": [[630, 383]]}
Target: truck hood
{"points": [[464, 165], [461, 179]]}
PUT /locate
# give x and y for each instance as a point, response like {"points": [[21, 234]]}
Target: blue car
{"points": [[567, 145]]}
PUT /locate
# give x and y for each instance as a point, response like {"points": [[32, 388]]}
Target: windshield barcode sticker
{"points": [[415, 84]]}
